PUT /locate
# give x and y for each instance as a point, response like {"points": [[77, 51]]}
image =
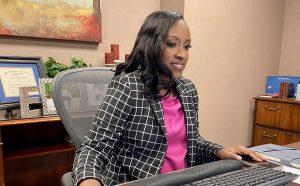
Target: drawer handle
{"points": [[269, 136], [270, 108], [288, 134]]}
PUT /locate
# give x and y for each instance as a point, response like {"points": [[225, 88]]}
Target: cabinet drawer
{"points": [[279, 115], [264, 135]]}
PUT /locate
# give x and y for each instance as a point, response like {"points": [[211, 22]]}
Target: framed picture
{"points": [[16, 72], [46, 93], [73, 20], [31, 107]]}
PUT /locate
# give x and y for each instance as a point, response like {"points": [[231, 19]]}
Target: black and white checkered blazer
{"points": [[127, 140]]}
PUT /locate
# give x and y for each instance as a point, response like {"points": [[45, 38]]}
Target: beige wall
{"points": [[290, 55], [120, 20], [177, 5], [236, 44]]}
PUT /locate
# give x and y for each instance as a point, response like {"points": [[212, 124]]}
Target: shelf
{"points": [[38, 151], [34, 151], [29, 121]]}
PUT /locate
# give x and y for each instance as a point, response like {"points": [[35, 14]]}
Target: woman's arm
{"points": [[97, 149]]}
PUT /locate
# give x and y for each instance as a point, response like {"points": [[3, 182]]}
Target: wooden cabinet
{"points": [[276, 120], [34, 152]]}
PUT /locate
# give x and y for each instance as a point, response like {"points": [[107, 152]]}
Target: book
{"points": [[285, 155]]}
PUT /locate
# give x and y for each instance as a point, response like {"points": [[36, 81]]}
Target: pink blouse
{"points": [[176, 135]]}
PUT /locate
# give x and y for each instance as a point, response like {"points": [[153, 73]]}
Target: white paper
{"points": [[292, 170]]}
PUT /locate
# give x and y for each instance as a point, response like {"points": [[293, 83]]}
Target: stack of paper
{"points": [[284, 155]]}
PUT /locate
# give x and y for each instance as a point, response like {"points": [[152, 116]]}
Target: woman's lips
{"points": [[177, 66]]}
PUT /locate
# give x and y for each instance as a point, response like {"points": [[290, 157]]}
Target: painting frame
{"points": [[46, 94], [16, 72], [71, 20]]}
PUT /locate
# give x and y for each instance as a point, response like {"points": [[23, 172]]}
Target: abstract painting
{"points": [[77, 20]]}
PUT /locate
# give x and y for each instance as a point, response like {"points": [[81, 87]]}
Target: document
{"points": [[294, 171], [285, 155], [13, 78]]}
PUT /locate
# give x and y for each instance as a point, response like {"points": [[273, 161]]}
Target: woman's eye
{"points": [[171, 45], [188, 47]]}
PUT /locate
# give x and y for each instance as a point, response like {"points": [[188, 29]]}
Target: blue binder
{"points": [[273, 83]]}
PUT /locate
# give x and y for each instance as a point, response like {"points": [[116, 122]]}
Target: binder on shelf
{"points": [[285, 155]]}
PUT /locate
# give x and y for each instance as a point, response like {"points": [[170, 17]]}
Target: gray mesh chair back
{"points": [[77, 94]]}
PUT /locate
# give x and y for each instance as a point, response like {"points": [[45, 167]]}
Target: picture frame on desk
{"points": [[46, 93], [31, 106], [16, 72]]}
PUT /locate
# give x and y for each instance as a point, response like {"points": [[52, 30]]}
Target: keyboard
{"points": [[222, 172], [248, 176]]}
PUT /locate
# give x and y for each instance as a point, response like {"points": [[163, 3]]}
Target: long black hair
{"points": [[147, 51]]}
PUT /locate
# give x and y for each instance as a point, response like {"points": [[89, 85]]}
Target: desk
{"points": [[34, 152], [294, 145], [181, 178]]}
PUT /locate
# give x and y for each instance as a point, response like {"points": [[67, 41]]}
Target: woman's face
{"points": [[175, 53]]}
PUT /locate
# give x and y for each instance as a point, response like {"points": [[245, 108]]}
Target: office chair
{"points": [[77, 94]]}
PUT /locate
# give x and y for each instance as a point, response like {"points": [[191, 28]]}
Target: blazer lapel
{"points": [[187, 104], [183, 97], [188, 107], [156, 106]]}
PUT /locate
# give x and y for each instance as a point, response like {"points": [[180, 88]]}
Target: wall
{"points": [[119, 25], [236, 44], [290, 55], [177, 5]]}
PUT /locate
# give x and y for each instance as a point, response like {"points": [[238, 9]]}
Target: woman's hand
{"points": [[237, 151]]}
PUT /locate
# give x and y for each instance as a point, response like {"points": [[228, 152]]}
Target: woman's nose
{"points": [[181, 53]]}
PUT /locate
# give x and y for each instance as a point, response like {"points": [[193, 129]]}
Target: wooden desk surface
{"points": [[29, 121], [294, 145]]}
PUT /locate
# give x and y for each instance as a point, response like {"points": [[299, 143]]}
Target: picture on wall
{"points": [[77, 20]]}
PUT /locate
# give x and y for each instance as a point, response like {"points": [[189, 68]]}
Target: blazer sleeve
{"points": [[207, 150], [96, 151]]}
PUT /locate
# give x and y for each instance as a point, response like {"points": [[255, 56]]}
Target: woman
{"points": [[148, 121]]}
